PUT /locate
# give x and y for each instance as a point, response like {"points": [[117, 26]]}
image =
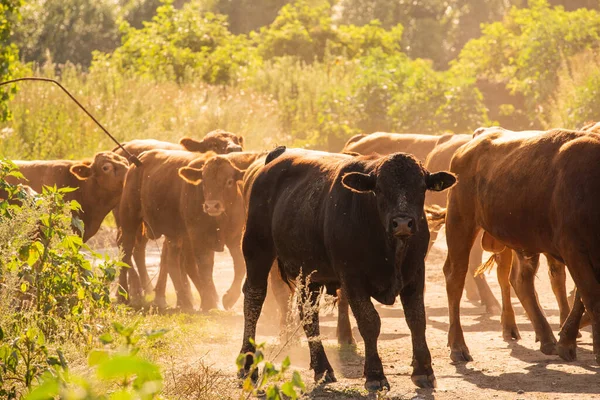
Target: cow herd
{"points": [[358, 223]]}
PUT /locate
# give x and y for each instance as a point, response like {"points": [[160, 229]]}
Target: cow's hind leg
{"points": [[523, 281], [127, 293], [369, 325], [558, 279], [414, 310], [460, 235], [504, 259], [344, 329], [308, 306], [139, 256], [567, 344]]}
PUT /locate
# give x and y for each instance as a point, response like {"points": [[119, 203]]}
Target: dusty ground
{"points": [[500, 370]]}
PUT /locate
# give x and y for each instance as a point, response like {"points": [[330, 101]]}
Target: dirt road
{"points": [[500, 370]]}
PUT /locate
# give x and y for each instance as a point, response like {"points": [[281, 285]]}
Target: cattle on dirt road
{"points": [[226, 181], [157, 199], [218, 141], [220, 178], [346, 221], [99, 183], [438, 159], [535, 193]]}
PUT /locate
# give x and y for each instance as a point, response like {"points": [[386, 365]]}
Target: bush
{"points": [[9, 16], [527, 49], [179, 45], [66, 30], [50, 290]]}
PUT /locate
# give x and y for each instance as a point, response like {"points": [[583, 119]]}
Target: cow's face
{"points": [[219, 180], [399, 183], [218, 141], [107, 170]]}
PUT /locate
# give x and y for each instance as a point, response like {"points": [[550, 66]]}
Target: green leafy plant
{"points": [[50, 291], [118, 365], [265, 378]]}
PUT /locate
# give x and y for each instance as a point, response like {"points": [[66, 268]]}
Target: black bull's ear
{"points": [[359, 182], [439, 181]]}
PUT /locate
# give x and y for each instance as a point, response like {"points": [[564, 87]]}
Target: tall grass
{"points": [[576, 100], [46, 124]]}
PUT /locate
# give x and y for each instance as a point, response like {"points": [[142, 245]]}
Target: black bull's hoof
{"points": [[325, 377], [375, 385], [424, 381]]}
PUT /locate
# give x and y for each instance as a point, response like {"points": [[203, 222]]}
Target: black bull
{"points": [[357, 222]]}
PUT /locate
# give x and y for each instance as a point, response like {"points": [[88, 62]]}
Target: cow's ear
{"points": [[439, 181], [238, 175], [191, 175], [194, 145], [359, 182], [241, 140], [81, 171]]}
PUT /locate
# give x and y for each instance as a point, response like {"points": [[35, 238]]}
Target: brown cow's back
{"points": [[515, 176], [384, 143], [41, 173], [138, 146]]}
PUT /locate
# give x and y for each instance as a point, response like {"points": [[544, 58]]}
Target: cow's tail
{"points": [[486, 266], [273, 154], [436, 217]]}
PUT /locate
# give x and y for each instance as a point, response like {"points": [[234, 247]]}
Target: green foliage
{"points": [[248, 15], [583, 104], [528, 48], [133, 376], [434, 29], [9, 16], [55, 279], [52, 289], [301, 29], [66, 30], [182, 44], [24, 359], [271, 381]]}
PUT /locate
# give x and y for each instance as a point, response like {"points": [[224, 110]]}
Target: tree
{"points": [[9, 53], [66, 30]]}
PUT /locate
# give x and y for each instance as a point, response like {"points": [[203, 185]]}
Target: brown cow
{"points": [[157, 198], [218, 179], [99, 184], [552, 185], [384, 143], [439, 160], [516, 270], [218, 141]]}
